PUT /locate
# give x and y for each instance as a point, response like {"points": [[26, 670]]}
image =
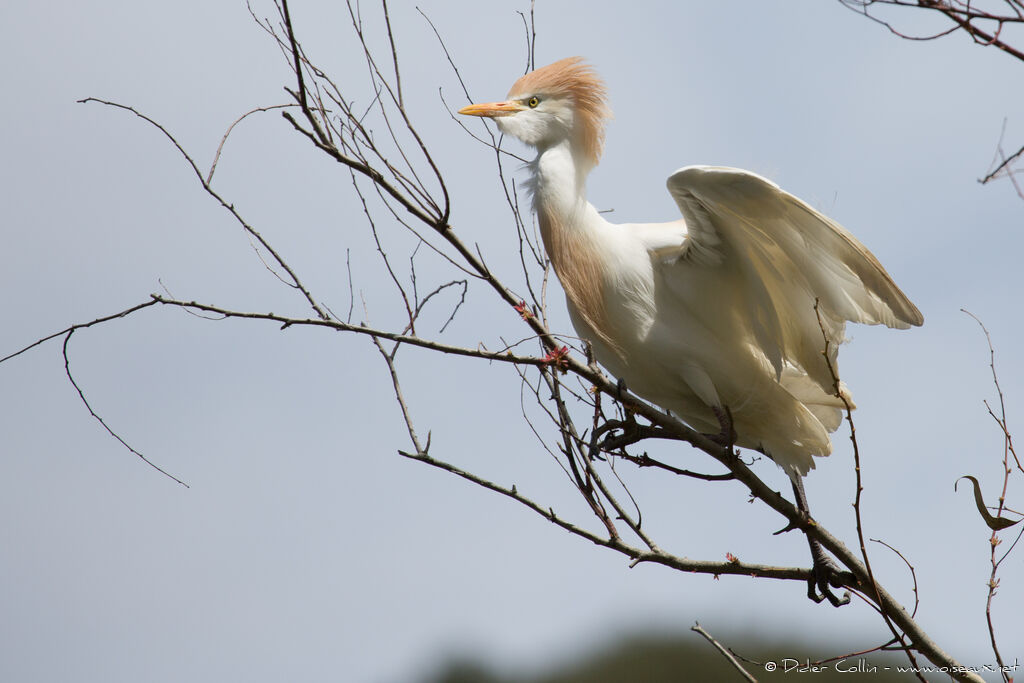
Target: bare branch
{"points": [[966, 16], [725, 653], [85, 402], [636, 554], [79, 326], [1001, 166], [996, 523], [335, 324], [223, 140], [985, 23], [295, 282], [913, 574]]}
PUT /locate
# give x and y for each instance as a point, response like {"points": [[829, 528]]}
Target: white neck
{"points": [[559, 182], [571, 229]]}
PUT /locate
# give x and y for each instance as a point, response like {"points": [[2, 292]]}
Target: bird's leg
{"points": [[726, 438], [611, 425], [620, 387], [630, 428], [825, 572]]}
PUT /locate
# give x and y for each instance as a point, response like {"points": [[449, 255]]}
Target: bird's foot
{"points": [[826, 575], [631, 433], [630, 430]]}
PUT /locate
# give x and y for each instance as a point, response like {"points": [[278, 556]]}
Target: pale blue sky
{"points": [[306, 549]]}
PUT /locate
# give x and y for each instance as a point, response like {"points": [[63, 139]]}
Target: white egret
{"points": [[712, 316]]}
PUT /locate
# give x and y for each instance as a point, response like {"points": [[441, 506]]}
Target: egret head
{"points": [[563, 101]]}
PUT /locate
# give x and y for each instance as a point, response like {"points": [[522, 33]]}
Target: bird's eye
{"points": [[533, 102]]}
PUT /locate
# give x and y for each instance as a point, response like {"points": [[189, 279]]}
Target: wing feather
{"points": [[787, 257]]}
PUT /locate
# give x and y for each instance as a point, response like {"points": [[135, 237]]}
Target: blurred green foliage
{"points": [[689, 657]]}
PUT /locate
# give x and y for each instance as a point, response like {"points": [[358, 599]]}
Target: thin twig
{"points": [[223, 140], [295, 282], [994, 540], [85, 402], [872, 582], [913, 573], [79, 326], [335, 324], [725, 653]]}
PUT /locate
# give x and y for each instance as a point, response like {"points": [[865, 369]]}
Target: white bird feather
{"points": [[723, 309]]}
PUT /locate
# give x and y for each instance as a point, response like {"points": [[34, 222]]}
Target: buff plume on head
{"points": [[574, 78], [563, 100]]}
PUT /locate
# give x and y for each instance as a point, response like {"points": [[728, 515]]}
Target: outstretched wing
{"points": [[786, 257]]}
